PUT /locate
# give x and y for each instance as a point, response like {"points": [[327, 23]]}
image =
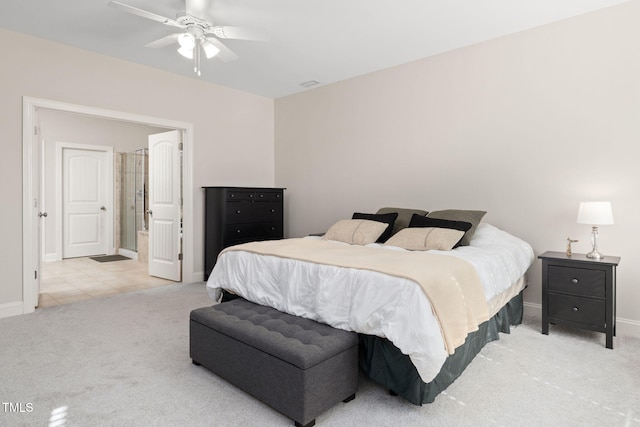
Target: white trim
{"points": [[29, 210], [29, 258], [10, 309], [128, 253], [109, 221], [50, 257], [627, 327]]}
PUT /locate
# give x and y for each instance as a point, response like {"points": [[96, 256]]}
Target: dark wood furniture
{"points": [[579, 292], [235, 215]]}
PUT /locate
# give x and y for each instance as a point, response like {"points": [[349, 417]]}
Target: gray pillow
{"points": [[472, 217], [404, 216]]}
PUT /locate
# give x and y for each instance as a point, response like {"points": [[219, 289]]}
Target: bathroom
{"points": [[132, 201]]}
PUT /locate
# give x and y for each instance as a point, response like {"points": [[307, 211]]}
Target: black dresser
{"points": [[235, 215]]}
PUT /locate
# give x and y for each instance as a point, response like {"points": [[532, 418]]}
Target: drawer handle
{"points": [[238, 212], [273, 210], [576, 309], [237, 231], [251, 196], [261, 196], [574, 280], [273, 228]]}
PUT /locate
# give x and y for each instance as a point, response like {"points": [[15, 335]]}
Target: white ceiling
{"points": [[322, 40]]}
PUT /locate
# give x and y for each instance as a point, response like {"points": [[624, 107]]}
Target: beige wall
{"points": [[524, 127], [233, 130]]}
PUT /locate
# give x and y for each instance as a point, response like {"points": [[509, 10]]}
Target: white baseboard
{"points": [[627, 327], [531, 309], [51, 257], [128, 253], [11, 309], [198, 276]]}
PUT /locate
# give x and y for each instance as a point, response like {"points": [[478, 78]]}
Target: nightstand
{"points": [[579, 292]]}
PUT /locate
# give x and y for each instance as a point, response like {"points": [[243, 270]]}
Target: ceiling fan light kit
{"points": [[186, 41], [196, 26]]}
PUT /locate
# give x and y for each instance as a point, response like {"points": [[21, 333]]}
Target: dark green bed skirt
{"points": [[384, 363]]}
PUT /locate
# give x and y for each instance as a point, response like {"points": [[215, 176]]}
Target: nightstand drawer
{"points": [[580, 281], [577, 309]]}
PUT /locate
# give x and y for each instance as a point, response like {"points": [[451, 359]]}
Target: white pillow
{"points": [[424, 238], [355, 231]]}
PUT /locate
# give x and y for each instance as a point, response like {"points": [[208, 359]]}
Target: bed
{"points": [[424, 291]]}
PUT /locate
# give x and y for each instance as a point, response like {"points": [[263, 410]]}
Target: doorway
{"points": [[32, 181]]}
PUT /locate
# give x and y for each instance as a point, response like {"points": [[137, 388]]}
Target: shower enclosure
{"points": [[134, 182]]}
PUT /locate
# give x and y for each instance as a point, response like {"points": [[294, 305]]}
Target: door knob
{"points": [[42, 214], [150, 212], [102, 208]]}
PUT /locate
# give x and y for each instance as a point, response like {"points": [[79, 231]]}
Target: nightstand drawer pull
{"points": [[575, 309], [574, 280]]}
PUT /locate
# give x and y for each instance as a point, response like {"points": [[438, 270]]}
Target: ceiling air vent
{"points": [[309, 83]]}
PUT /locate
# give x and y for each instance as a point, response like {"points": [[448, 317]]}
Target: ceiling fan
{"points": [[198, 34]]}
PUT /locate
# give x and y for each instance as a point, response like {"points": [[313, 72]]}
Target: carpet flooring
{"points": [[124, 361]]}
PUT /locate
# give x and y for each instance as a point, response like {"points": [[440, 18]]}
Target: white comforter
{"points": [[370, 302]]}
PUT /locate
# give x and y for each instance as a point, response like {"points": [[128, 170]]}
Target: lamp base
{"points": [[595, 255]]}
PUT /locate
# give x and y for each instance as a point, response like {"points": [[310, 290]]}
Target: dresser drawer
{"points": [[258, 195], [256, 231], [240, 195], [268, 195], [577, 309], [245, 211], [267, 211], [580, 281]]}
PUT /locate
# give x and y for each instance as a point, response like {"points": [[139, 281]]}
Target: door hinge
{"points": [[180, 146], [36, 275], [35, 130], [179, 257]]}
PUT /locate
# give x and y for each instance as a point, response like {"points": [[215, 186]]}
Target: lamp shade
{"points": [[595, 213]]}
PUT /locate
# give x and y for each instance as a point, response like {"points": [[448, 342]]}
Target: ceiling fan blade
{"points": [[143, 13], [239, 33], [225, 54], [164, 41], [198, 8]]}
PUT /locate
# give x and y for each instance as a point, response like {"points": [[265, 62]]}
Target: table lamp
{"points": [[595, 214]]}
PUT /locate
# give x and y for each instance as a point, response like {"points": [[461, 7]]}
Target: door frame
{"points": [[31, 178], [108, 229]]}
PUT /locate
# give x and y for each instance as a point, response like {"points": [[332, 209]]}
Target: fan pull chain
{"points": [[196, 57]]}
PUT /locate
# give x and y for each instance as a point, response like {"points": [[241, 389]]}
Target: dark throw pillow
{"points": [[388, 218], [473, 217], [425, 221]]}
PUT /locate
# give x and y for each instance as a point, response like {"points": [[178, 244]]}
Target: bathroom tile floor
{"points": [[78, 279]]}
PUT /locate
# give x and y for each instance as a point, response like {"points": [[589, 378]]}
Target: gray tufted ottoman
{"points": [[297, 366]]}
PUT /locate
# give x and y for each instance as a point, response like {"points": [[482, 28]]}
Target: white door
{"points": [[164, 205], [84, 202]]}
